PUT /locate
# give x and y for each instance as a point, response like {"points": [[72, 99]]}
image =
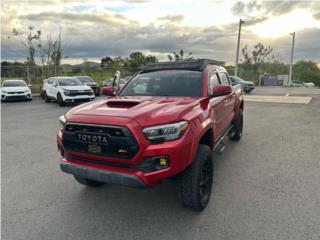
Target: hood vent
{"points": [[122, 104]]}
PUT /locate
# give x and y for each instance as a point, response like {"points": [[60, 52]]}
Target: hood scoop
{"points": [[122, 104]]}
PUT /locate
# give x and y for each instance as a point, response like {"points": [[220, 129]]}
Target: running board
{"points": [[219, 145]]}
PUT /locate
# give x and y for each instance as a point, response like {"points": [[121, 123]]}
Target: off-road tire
{"points": [[237, 127], [190, 181], [45, 97], [60, 100], [88, 182]]}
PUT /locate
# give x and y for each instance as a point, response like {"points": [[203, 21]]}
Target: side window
{"points": [[49, 81], [213, 81], [224, 78]]}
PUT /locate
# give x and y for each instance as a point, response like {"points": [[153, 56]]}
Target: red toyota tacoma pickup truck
{"points": [[164, 123]]}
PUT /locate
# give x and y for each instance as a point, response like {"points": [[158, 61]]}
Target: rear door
{"points": [[47, 86]]}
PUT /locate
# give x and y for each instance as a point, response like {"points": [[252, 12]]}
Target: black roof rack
{"points": [[196, 65]]}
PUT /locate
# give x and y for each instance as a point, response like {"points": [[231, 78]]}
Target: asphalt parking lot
{"points": [[266, 186]]}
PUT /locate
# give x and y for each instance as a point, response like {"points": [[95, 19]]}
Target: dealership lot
{"points": [[266, 186]]}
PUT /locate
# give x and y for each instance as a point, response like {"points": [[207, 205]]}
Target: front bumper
{"points": [[21, 96], [102, 175], [96, 89], [138, 167], [78, 98]]}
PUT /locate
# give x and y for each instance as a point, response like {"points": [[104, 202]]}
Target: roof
{"points": [[196, 65]]}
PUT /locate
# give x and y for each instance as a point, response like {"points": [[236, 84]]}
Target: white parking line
{"points": [[277, 99]]}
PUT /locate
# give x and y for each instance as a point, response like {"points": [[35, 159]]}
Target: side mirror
{"points": [[116, 80], [221, 90], [108, 90]]}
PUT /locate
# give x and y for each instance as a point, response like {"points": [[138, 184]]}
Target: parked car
{"points": [[246, 85], [297, 83], [66, 89], [169, 130], [108, 83], [15, 90], [309, 84], [41, 85], [91, 83]]}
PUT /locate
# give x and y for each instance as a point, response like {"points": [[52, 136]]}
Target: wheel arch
{"points": [[205, 137]]}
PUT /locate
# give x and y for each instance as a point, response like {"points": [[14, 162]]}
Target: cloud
{"points": [[274, 8], [102, 18], [172, 18], [95, 32], [317, 15], [254, 20]]}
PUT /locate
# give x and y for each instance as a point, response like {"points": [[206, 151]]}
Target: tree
{"points": [[50, 51], [306, 71], [252, 59], [150, 59], [136, 59], [106, 62], [180, 56], [28, 42]]}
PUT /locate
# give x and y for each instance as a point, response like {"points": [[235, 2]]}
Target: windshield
{"points": [[165, 83], [85, 79], [69, 82], [14, 83]]}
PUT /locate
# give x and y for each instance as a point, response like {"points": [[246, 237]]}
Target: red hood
{"points": [[147, 111]]}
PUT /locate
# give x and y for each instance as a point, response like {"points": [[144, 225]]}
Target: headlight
{"points": [[3, 91], [166, 132], [26, 91], [66, 92], [62, 120]]}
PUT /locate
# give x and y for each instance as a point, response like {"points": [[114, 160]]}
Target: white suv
{"points": [[15, 90], [66, 89]]}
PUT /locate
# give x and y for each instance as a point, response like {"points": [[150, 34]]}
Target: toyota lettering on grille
{"points": [[90, 138]]}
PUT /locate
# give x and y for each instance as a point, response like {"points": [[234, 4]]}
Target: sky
{"points": [[94, 29]]}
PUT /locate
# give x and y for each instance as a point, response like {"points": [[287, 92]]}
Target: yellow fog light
{"points": [[163, 162], [160, 162]]}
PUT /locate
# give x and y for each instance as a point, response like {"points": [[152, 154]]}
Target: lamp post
{"points": [[293, 34], [238, 46]]}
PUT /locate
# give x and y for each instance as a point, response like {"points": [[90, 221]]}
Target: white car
{"points": [[66, 89], [15, 90]]}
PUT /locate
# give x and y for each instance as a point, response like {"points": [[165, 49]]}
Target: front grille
{"points": [[15, 92], [16, 97], [120, 141], [77, 93]]}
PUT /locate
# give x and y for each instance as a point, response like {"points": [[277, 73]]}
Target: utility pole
{"points": [[293, 34], [238, 46], [28, 75]]}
